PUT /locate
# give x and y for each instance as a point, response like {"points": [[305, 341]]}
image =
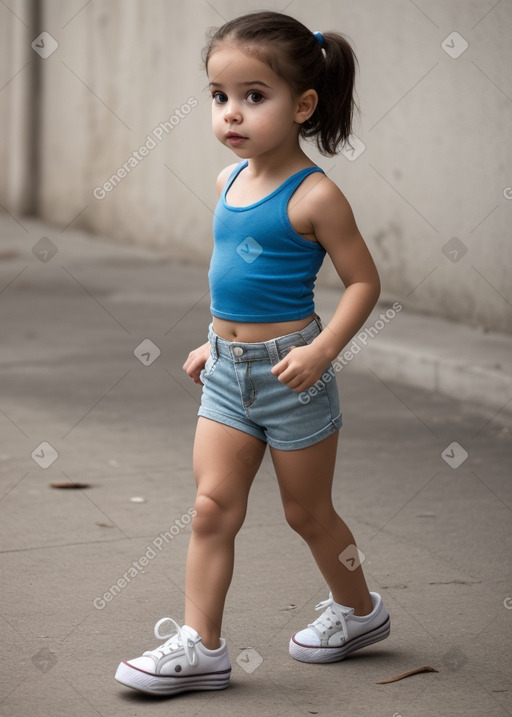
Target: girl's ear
{"points": [[306, 105]]}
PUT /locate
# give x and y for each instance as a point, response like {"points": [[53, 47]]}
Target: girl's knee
{"points": [[297, 518], [308, 523], [213, 517]]}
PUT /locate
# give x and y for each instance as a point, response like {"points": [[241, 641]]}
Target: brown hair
{"points": [[295, 54]]}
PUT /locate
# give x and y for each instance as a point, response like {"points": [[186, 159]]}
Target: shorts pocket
{"points": [[209, 367]]}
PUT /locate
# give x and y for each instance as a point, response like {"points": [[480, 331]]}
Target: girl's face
{"points": [[254, 112]]}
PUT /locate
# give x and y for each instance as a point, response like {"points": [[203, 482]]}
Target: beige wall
{"points": [[436, 131]]}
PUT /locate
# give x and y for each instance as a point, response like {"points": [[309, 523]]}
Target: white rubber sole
{"points": [[303, 653], [137, 679]]}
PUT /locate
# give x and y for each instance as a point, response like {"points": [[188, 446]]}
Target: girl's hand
{"points": [[196, 361], [301, 367]]}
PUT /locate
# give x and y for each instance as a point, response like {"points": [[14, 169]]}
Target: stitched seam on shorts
{"points": [[214, 362], [252, 389]]}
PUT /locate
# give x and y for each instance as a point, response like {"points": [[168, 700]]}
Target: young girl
{"points": [[265, 370]]}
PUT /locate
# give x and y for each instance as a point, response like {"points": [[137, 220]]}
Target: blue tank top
{"points": [[261, 269]]}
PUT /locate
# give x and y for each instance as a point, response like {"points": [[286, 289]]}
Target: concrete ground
{"points": [[92, 392]]}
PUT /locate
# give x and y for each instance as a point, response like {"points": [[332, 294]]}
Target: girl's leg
{"points": [[225, 463], [305, 480]]}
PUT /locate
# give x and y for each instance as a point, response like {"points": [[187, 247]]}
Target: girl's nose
{"points": [[232, 113]]}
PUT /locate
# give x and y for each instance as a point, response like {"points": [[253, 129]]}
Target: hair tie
{"points": [[319, 38]]}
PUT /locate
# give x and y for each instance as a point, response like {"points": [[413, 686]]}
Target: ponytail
{"points": [[331, 123]]}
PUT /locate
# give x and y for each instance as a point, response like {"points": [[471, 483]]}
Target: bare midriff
{"points": [[256, 333]]}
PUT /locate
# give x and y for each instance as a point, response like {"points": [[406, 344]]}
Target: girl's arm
{"points": [[335, 228]]}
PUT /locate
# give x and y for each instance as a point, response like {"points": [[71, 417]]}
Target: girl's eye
{"points": [[255, 97], [219, 97]]}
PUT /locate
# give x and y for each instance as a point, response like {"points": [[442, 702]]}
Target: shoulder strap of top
{"points": [[291, 184], [288, 187], [234, 174]]}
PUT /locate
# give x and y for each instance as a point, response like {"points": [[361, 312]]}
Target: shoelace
{"points": [[328, 622], [175, 641]]}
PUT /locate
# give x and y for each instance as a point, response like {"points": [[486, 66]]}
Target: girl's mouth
{"points": [[235, 139]]}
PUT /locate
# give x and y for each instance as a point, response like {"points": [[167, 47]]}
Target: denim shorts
{"points": [[240, 391]]}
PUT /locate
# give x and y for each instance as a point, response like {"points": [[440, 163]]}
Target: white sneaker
{"points": [[181, 664], [337, 632]]}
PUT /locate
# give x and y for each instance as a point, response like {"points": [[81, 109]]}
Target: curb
{"points": [[455, 360]]}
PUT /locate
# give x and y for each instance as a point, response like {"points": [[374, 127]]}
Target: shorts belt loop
{"points": [[273, 352], [312, 329]]}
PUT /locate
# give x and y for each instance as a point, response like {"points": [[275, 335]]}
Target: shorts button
{"points": [[238, 350]]}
